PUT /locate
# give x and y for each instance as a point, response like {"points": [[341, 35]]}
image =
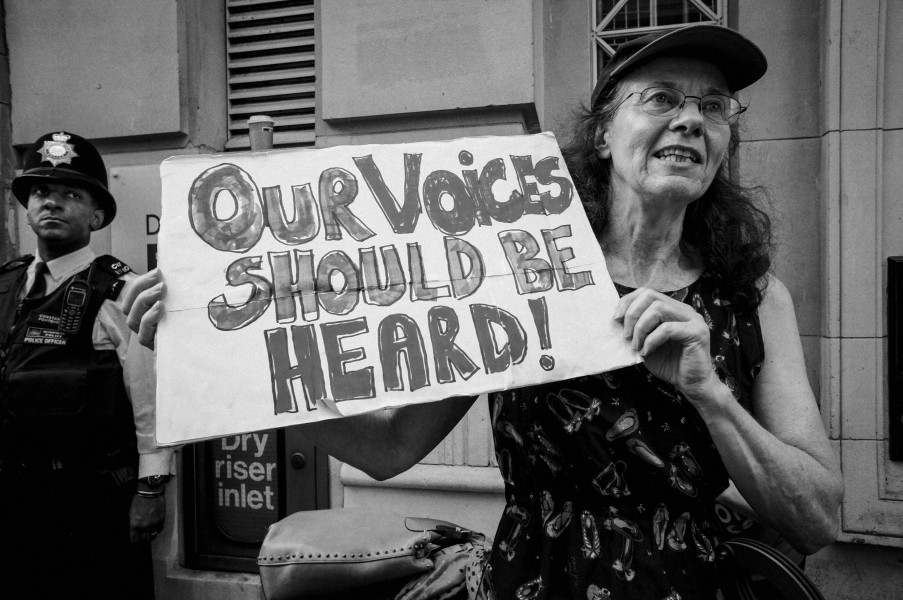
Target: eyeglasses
{"points": [[668, 102]]}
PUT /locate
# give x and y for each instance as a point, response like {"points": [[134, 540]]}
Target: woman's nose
{"points": [[689, 119]]}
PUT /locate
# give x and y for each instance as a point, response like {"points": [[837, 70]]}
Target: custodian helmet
{"points": [[70, 159]]}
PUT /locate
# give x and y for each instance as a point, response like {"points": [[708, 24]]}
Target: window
{"points": [[617, 21], [270, 62]]}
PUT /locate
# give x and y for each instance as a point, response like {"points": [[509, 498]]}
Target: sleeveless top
{"points": [[610, 479]]}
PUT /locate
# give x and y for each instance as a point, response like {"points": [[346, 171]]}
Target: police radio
{"points": [[75, 302]]}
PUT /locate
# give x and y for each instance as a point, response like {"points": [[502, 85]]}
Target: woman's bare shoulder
{"points": [[776, 297]]}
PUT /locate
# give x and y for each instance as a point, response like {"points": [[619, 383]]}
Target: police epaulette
{"points": [[112, 264], [114, 290], [22, 261]]}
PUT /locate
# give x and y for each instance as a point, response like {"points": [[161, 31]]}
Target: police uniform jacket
{"points": [[111, 339]]}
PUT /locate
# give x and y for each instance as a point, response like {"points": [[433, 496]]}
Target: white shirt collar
{"points": [[64, 267]]}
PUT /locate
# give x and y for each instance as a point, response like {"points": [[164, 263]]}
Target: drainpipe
{"points": [[9, 235]]}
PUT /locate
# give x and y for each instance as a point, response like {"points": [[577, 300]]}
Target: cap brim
{"points": [[741, 62], [21, 188]]}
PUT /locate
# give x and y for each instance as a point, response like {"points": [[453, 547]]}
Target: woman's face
{"points": [[672, 158]]}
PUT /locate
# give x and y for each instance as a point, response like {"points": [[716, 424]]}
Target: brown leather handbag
{"points": [[318, 553]]}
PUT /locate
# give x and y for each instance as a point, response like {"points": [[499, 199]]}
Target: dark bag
{"points": [[741, 560], [319, 553]]}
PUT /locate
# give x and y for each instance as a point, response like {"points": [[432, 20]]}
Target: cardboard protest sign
{"points": [[312, 284]]}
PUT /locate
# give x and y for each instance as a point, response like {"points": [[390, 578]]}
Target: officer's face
{"points": [[62, 216]]}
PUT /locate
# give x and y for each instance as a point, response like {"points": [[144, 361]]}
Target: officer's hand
{"points": [[146, 518], [143, 306]]}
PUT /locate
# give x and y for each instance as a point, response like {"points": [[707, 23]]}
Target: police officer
{"points": [[81, 480]]}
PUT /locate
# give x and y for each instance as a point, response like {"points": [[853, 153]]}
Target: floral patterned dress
{"points": [[610, 479]]}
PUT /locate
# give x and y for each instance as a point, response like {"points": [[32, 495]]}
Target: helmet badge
{"points": [[58, 150]]}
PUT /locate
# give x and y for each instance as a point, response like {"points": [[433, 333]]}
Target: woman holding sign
{"points": [[612, 481]]}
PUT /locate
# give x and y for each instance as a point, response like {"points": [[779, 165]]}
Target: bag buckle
{"points": [[458, 533]]}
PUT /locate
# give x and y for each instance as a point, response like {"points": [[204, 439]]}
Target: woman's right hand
{"points": [[142, 304], [673, 340]]}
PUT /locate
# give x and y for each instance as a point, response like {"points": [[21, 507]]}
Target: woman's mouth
{"points": [[678, 155]]}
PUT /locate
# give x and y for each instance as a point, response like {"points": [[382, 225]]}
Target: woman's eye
{"points": [[713, 106], [662, 98]]}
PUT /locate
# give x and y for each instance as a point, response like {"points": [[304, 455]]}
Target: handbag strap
{"points": [[740, 558], [445, 533]]}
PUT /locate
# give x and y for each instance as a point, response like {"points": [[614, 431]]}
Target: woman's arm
{"points": [[780, 459], [387, 442], [383, 443]]}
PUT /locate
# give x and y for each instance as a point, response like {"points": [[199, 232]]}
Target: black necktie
{"points": [[39, 286]]}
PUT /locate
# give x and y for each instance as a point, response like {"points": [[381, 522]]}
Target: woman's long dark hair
{"points": [[725, 229]]}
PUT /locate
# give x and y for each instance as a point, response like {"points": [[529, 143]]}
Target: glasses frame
{"points": [[678, 108]]}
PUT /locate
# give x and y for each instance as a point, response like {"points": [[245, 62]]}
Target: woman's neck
{"points": [[642, 249]]}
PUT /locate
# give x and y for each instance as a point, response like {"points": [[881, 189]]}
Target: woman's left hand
{"points": [[672, 338], [781, 445]]}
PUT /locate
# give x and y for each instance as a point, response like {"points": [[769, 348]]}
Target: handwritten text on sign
{"points": [[306, 284]]}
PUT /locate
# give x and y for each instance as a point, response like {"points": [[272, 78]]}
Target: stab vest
{"points": [[60, 399]]}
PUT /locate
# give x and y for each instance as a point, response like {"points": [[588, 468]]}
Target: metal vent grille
{"points": [[270, 48], [617, 21]]}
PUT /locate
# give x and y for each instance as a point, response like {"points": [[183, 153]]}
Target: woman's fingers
{"points": [[142, 304], [646, 313], [642, 310], [143, 307], [138, 285], [650, 315], [671, 336], [631, 307], [147, 327], [685, 333], [647, 322]]}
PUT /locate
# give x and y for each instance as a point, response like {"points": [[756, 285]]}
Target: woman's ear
{"points": [[603, 150]]}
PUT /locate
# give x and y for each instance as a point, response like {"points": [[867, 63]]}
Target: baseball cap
{"points": [[740, 60]]}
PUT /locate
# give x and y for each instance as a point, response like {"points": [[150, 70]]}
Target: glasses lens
{"points": [[661, 101], [720, 108], [714, 106], [667, 102]]}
